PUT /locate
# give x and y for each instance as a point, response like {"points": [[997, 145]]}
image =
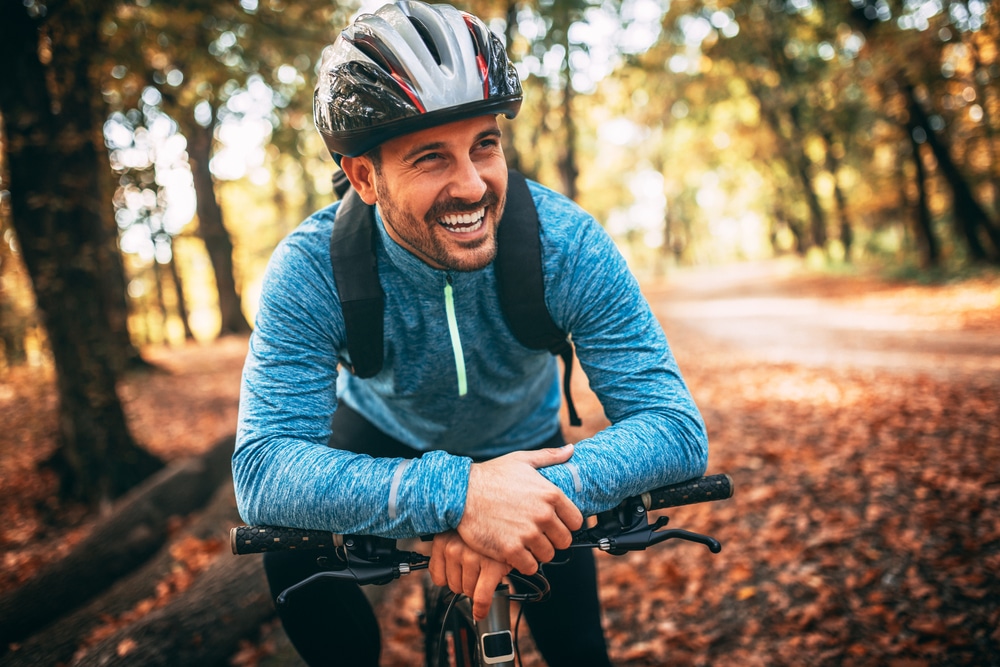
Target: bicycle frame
{"points": [[495, 640]]}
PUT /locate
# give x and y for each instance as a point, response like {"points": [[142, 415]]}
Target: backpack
{"points": [[518, 269]]}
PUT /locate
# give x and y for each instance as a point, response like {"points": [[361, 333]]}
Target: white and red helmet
{"points": [[407, 67]]}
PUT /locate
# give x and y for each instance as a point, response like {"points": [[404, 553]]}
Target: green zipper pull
{"points": [[456, 341]]}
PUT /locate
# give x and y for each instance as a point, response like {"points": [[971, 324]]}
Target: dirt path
{"points": [[778, 314]]}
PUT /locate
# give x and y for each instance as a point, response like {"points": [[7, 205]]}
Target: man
{"points": [[457, 434]]}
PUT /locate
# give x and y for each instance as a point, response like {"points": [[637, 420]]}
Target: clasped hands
{"points": [[514, 518]]}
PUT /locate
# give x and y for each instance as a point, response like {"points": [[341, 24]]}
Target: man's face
{"points": [[440, 191]]}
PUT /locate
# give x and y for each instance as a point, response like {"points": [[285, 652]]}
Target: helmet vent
{"points": [[426, 36]]}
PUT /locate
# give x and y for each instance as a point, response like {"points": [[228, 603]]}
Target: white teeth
{"points": [[464, 219]]}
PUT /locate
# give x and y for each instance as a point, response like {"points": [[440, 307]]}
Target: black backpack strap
{"points": [[355, 271], [518, 269]]}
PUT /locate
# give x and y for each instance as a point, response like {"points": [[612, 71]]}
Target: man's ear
{"points": [[361, 173]]}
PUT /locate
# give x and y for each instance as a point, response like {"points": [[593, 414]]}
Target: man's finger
{"points": [[541, 550], [482, 597], [523, 561], [559, 536], [470, 575], [568, 513], [437, 563], [542, 458], [454, 568]]}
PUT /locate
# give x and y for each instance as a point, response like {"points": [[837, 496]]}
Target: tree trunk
{"points": [[182, 310], [509, 131], [203, 626], [161, 304], [987, 95], [833, 166], [119, 543], [929, 247], [16, 317], [803, 169], [795, 227], [57, 642], [14, 322], [568, 168], [115, 282], [212, 230], [798, 166], [970, 216], [57, 214], [115, 289]]}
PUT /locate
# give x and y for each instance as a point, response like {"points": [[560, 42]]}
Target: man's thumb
{"points": [[550, 456]]}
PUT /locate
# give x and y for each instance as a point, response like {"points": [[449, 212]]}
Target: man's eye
{"points": [[428, 158]]}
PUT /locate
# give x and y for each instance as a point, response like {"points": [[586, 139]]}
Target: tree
{"points": [[197, 56], [922, 75], [56, 158], [17, 305], [969, 216], [546, 32]]}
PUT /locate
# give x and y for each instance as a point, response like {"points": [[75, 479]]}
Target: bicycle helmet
{"points": [[407, 67]]}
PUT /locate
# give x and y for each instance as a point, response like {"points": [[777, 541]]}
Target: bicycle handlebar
{"points": [[260, 539], [698, 490]]}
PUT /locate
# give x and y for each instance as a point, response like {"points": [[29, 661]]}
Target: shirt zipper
{"points": [[456, 341]]}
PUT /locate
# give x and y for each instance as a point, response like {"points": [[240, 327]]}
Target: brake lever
{"points": [[640, 536], [363, 572], [680, 534]]}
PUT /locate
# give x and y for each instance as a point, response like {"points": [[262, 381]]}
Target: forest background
{"points": [[154, 153]]}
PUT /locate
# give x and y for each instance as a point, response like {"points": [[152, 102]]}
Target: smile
{"points": [[463, 223]]}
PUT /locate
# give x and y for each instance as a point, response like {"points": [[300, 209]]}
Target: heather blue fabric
{"points": [[286, 475]]}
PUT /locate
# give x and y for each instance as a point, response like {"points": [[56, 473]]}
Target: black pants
{"points": [[332, 623]]}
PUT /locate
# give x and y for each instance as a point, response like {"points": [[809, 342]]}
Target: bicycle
{"points": [[452, 637]]}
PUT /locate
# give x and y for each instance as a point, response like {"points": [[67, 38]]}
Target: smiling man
{"points": [[440, 191], [437, 418]]}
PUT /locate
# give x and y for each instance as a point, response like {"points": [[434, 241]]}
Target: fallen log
{"points": [[57, 642], [200, 628], [130, 534]]}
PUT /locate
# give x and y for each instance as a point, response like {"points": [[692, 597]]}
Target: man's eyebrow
{"points": [[422, 148], [438, 145], [494, 132]]}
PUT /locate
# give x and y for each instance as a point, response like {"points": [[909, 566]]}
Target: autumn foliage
{"points": [[865, 529]]}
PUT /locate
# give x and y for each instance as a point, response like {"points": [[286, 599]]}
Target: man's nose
{"points": [[466, 182]]}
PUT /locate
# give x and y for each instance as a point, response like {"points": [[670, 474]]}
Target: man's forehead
{"points": [[458, 132]]}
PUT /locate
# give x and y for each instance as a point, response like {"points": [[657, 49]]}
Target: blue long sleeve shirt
{"points": [[284, 472]]}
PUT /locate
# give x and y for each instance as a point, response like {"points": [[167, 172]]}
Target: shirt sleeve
{"points": [[657, 435], [283, 471]]}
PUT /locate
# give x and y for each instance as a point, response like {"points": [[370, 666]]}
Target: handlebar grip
{"points": [[700, 490], [259, 539]]}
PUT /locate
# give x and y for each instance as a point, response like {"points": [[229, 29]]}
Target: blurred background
{"points": [[696, 132], [809, 191]]}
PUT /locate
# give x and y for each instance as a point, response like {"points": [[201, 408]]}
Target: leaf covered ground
{"points": [[865, 529]]}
